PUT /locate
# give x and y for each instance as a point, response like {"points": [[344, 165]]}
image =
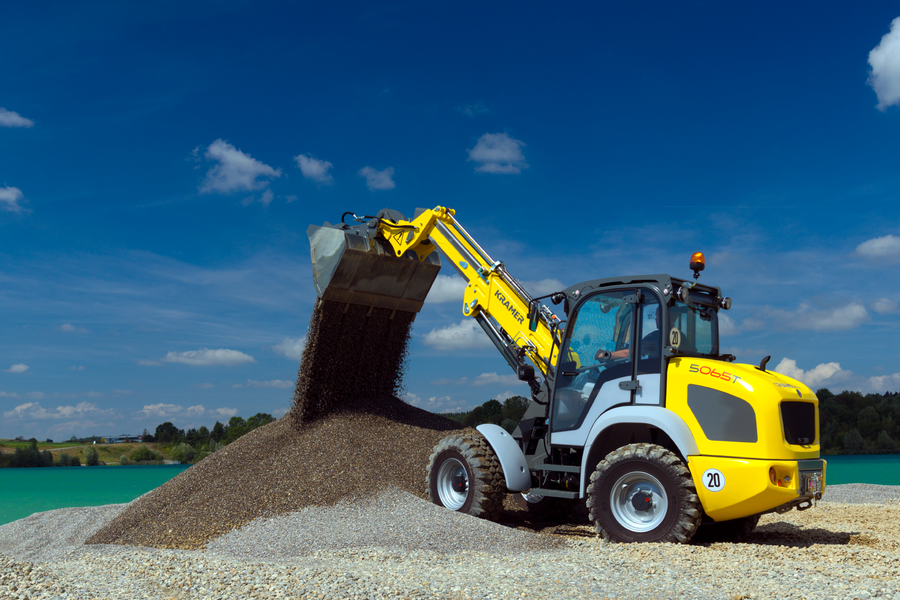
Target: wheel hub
{"points": [[642, 501], [452, 484], [638, 501]]}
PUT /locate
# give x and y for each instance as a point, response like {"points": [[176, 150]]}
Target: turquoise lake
{"points": [[27, 491]]}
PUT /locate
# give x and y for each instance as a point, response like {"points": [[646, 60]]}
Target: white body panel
{"points": [[515, 467]]}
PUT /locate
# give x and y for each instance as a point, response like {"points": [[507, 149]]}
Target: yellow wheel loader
{"points": [[633, 407]]}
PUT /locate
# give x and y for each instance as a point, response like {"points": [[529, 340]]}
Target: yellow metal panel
{"points": [[746, 488], [764, 391]]}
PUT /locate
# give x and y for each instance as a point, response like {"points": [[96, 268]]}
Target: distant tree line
{"points": [[506, 415], [167, 433], [188, 446], [32, 457], [851, 423]]}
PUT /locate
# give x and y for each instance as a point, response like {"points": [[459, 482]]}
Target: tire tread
{"points": [[490, 487]]}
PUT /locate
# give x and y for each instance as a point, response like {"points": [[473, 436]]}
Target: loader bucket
{"points": [[353, 265]]}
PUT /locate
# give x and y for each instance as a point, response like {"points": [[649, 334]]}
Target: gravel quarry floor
{"points": [[396, 545]]}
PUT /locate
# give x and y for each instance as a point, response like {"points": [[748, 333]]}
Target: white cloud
{"points": [[204, 386], [886, 246], [493, 378], [446, 288], [883, 306], [459, 336], [69, 328], [160, 411], [435, 404], [33, 410], [378, 180], [727, 325], [275, 383], [291, 347], [885, 62], [473, 110], [833, 319], [9, 395], [9, 199], [883, 383], [315, 169], [123, 392], [10, 118], [19, 368], [205, 357], [168, 411], [149, 363], [77, 368], [498, 153], [236, 171], [266, 198], [820, 376], [543, 287], [460, 381]]}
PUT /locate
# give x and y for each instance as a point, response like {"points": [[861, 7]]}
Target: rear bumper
{"points": [[744, 487]]}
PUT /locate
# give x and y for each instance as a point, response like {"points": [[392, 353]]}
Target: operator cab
{"points": [[620, 333]]}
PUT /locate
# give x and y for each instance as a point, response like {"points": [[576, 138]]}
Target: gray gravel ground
{"points": [[397, 545]]}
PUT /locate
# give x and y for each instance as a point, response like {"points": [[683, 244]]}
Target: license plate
{"points": [[813, 483]]}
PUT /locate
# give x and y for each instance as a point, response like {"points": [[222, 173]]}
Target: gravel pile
{"points": [[831, 551], [54, 534], [277, 469], [346, 437], [392, 519], [862, 493]]}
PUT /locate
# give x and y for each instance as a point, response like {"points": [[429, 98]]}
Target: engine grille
{"points": [[799, 420]]}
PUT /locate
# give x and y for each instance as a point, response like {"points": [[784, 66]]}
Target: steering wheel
{"points": [[602, 356]]}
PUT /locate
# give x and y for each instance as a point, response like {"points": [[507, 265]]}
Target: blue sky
{"points": [[160, 163]]}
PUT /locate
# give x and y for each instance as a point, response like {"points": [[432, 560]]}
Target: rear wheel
{"points": [[464, 475], [643, 493]]}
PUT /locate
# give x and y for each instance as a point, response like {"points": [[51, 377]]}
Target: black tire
{"points": [[643, 493], [464, 475], [735, 530]]}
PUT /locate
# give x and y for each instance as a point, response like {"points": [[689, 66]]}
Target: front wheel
{"points": [[643, 493], [464, 475]]}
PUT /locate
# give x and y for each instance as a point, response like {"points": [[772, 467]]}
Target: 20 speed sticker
{"points": [[713, 480]]}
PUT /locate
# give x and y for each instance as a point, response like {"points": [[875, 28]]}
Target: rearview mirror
{"points": [[533, 316]]}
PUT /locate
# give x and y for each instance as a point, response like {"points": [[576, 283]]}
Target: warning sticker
{"points": [[713, 480]]}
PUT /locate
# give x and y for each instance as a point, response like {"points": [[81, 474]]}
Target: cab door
{"points": [[603, 366], [597, 356]]}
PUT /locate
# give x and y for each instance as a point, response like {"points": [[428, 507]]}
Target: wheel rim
{"points": [[452, 484], [638, 487]]}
